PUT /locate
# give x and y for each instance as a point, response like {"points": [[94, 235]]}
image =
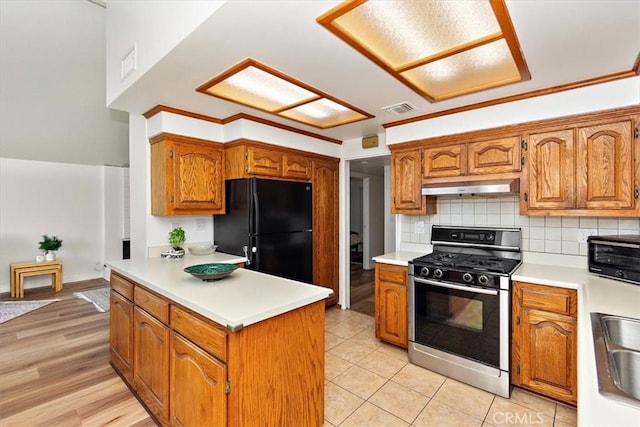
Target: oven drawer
{"points": [[549, 298]]}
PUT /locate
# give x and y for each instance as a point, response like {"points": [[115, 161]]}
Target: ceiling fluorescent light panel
{"points": [[440, 49], [256, 85]]}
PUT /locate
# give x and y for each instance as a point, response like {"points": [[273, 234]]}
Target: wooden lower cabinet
{"points": [[391, 304], [121, 334], [197, 381], [190, 371], [151, 363], [544, 344]]}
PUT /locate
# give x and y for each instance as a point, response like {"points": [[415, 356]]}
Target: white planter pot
{"points": [[50, 256]]}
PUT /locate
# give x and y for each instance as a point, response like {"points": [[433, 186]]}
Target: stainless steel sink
{"points": [[623, 332], [616, 341], [627, 368]]}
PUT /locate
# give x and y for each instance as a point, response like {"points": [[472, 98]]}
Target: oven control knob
{"points": [[619, 273], [425, 271], [467, 277], [483, 280], [438, 273]]}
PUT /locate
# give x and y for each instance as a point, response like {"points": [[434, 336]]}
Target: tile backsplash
{"points": [[552, 235]]}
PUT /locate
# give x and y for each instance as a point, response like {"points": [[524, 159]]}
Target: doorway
{"points": [[368, 188]]}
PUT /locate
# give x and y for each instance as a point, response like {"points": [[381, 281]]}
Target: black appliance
{"points": [[615, 257], [269, 222], [460, 305]]}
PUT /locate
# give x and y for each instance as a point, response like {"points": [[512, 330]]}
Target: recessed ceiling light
{"points": [[440, 49], [259, 86]]}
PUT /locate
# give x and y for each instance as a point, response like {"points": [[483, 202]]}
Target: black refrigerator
{"points": [[269, 222]]}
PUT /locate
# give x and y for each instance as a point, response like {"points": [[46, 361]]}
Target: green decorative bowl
{"points": [[211, 272]]}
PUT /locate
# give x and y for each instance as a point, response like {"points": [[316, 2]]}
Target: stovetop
{"points": [[457, 260]]}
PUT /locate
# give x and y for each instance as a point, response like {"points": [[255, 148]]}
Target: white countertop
{"points": [[398, 258], [240, 299], [600, 295]]}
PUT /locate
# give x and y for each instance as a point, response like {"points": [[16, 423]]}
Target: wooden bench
{"points": [[20, 270]]}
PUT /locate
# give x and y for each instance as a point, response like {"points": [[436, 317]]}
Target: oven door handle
{"points": [[457, 287]]}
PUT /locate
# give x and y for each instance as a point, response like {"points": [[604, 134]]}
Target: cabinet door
{"points": [[391, 304], [548, 356], [198, 181], [450, 160], [544, 344], [197, 386], [406, 184], [151, 363], [605, 167], [551, 171], [264, 162], [296, 167], [325, 226], [497, 156], [121, 334]]}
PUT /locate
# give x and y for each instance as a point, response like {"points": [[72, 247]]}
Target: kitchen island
{"points": [[244, 350]]}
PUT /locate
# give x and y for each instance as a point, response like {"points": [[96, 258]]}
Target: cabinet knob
{"points": [[526, 197]]}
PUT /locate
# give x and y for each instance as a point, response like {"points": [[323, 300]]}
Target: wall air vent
{"points": [[398, 109]]}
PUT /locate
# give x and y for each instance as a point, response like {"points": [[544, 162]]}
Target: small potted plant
{"points": [[176, 240], [49, 245]]}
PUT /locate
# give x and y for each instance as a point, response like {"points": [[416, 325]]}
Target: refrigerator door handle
{"points": [[253, 214], [245, 249]]}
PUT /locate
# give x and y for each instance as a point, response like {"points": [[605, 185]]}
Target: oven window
{"points": [[616, 256], [464, 323]]}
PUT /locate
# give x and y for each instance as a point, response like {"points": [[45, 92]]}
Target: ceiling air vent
{"points": [[400, 108]]}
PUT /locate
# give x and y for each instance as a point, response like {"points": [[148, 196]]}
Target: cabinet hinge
{"points": [[635, 132], [171, 198], [636, 193], [523, 144], [246, 154], [246, 168], [517, 320], [518, 369], [227, 387], [526, 197], [522, 160], [171, 154]]}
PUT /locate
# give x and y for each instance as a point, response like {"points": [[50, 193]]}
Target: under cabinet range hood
{"points": [[470, 188]]}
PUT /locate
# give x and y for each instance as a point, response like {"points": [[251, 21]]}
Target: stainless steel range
{"points": [[460, 305]]}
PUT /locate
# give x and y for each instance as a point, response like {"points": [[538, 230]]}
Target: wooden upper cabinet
{"points": [[551, 170], [587, 170], [450, 160], [187, 176], [495, 156], [406, 184], [325, 226], [245, 159], [296, 167], [264, 162], [605, 167]]}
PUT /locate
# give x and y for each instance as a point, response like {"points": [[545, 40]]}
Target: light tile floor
{"points": [[370, 384]]}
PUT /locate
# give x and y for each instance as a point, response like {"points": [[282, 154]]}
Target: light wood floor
{"points": [[362, 290], [54, 366]]}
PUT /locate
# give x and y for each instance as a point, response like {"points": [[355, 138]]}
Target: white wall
{"points": [[355, 205], [375, 202], [619, 93], [154, 27], [62, 199], [115, 182], [52, 68]]}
